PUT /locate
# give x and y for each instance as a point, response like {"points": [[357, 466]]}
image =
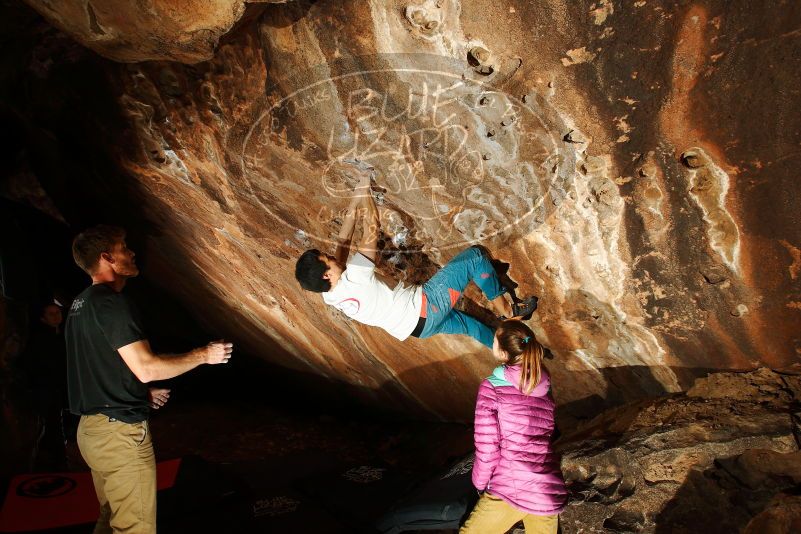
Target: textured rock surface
{"points": [[634, 162], [180, 30], [690, 463], [782, 515]]}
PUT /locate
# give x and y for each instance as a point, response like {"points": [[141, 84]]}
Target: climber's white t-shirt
{"points": [[365, 298]]}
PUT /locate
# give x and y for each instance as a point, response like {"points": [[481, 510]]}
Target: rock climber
{"points": [[351, 286]]}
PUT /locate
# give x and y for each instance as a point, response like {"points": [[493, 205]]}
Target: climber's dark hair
{"points": [[517, 340], [309, 271]]}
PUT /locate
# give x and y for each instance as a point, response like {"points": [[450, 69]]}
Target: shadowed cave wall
{"points": [[633, 162]]}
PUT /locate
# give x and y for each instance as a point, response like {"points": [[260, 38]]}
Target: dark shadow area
{"points": [[35, 268], [312, 447]]}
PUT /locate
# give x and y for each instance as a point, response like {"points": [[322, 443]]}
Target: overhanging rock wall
{"points": [[634, 162]]}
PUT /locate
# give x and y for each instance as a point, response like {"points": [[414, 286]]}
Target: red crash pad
{"points": [[43, 501]]}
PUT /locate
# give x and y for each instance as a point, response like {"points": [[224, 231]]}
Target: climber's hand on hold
{"points": [[362, 188]]}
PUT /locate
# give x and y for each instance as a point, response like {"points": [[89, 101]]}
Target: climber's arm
{"points": [[346, 232], [371, 227], [356, 205]]}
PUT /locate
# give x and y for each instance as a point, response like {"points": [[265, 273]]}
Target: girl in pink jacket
{"points": [[516, 469]]}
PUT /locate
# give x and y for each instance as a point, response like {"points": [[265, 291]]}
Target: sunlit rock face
{"points": [[633, 162]]}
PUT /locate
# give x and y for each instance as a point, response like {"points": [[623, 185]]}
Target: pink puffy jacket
{"points": [[514, 456]]}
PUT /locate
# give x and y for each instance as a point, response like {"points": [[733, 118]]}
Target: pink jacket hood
{"points": [[511, 373]]}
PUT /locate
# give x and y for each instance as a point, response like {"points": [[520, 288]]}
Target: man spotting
{"points": [[109, 362], [351, 286]]}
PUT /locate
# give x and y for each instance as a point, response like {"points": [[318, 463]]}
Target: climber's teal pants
{"points": [[447, 285]]}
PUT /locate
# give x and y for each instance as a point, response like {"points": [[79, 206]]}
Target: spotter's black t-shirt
{"points": [[99, 322]]}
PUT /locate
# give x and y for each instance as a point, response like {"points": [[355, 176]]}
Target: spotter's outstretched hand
{"points": [[218, 352]]}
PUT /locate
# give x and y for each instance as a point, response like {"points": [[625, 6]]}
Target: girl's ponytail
{"points": [[522, 348], [530, 364]]}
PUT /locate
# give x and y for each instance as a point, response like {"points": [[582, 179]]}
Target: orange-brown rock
{"points": [[781, 516], [179, 30], [689, 463], [635, 163]]}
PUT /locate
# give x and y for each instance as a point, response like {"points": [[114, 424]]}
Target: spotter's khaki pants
{"points": [[493, 515], [124, 473]]}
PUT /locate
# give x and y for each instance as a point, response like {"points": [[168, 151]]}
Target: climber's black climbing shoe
{"points": [[522, 310]]}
